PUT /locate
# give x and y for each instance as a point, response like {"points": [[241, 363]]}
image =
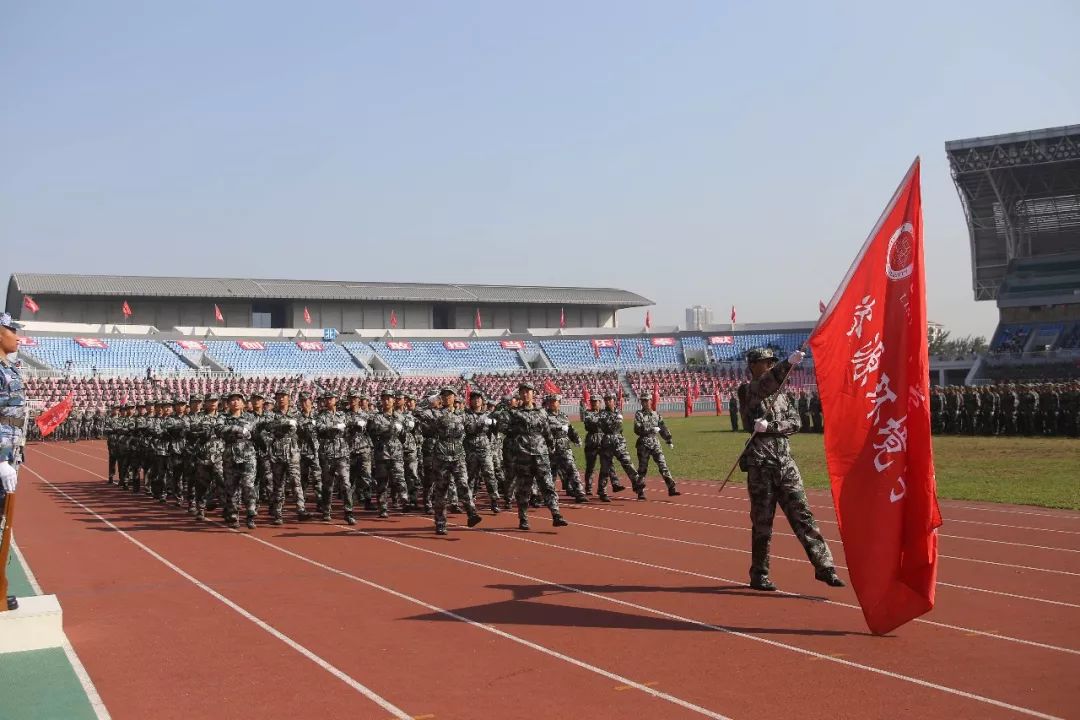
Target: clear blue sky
{"points": [[693, 152]]}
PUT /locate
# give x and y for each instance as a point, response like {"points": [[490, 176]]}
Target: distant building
{"points": [[698, 317]]}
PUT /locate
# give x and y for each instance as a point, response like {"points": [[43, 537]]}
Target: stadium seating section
{"points": [[118, 354], [1010, 338], [433, 356], [281, 357], [783, 343], [623, 353]]}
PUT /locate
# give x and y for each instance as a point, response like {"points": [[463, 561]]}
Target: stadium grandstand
{"points": [[1021, 197]]}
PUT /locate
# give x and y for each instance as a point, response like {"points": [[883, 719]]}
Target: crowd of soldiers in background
{"points": [[1049, 409], [808, 405], [402, 455], [79, 425]]}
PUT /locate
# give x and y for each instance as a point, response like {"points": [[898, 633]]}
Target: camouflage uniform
{"points": [[111, 436], [478, 455], [284, 455], [613, 447], [593, 436], [13, 413], [649, 427], [1008, 410], [334, 460], [159, 465], [388, 459], [528, 460], [238, 432], [209, 472], [261, 441], [803, 405], [175, 429], [816, 413], [310, 470], [360, 456], [562, 456], [1028, 408], [448, 465], [410, 456], [772, 475]]}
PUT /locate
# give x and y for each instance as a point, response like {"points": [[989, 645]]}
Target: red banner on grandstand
{"points": [[191, 345], [95, 343], [662, 341], [398, 345], [603, 342], [512, 344], [310, 345], [722, 340], [872, 368], [250, 345], [27, 341], [455, 345]]}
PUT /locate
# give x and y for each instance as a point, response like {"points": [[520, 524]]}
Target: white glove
{"points": [[796, 357], [671, 445], [656, 430], [363, 423], [244, 433], [410, 423], [761, 425], [488, 421], [339, 426], [566, 428], [292, 423], [397, 426], [9, 478]]}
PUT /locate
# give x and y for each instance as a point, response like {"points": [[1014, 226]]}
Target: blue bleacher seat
{"points": [[432, 356], [282, 356], [629, 353], [119, 354]]}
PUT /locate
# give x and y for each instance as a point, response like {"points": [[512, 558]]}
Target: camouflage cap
{"points": [[447, 390], [258, 395], [526, 386], [329, 394], [179, 401], [235, 393], [409, 396], [756, 354], [211, 397], [282, 391], [354, 394], [303, 395], [7, 321], [195, 397], [552, 397], [386, 392], [477, 394], [162, 402], [609, 395]]}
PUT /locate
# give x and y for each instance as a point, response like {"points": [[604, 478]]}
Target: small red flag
{"points": [[620, 396], [217, 314], [716, 399], [648, 320], [872, 367], [732, 314], [689, 406], [29, 304], [50, 419], [820, 306], [551, 388], [655, 395], [307, 315], [586, 398], [562, 317], [393, 319], [126, 309], [479, 323]]}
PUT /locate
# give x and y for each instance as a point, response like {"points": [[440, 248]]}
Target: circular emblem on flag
{"points": [[900, 259]]}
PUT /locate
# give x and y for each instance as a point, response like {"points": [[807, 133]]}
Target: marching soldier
{"points": [[334, 457], [284, 454], [529, 439], [733, 411], [310, 470], [385, 428], [478, 455], [210, 471], [593, 437], [613, 447], [648, 425], [238, 431], [448, 461], [562, 457], [360, 450]]}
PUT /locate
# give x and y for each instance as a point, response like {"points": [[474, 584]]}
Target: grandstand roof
{"points": [[1021, 198], [252, 289]]}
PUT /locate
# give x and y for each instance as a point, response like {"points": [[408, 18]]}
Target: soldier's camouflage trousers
{"points": [[114, 461], [285, 475], [263, 477], [158, 474], [527, 470], [177, 477], [427, 467], [592, 455], [650, 449], [209, 476], [768, 487], [564, 467], [239, 486], [481, 466], [335, 472], [446, 473], [607, 470], [411, 466], [390, 481], [360, 475], [311, 475]]}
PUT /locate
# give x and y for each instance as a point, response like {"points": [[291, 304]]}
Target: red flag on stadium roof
{"points": [[393, 319], [50, 419], [732, 314], [562, 317], [126, 309], [479, 323], [872, 367], [307, 315], [29, 304], [821, 306], [217, 314], [648, 320]]}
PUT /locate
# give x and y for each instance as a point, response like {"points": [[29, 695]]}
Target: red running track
{"points": [[635, 608]]}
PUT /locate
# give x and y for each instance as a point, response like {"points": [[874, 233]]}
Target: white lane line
{"points": [[339, 674], [732, 527], [100, 711], [664, 614], [944, 504], [829, 508], [447, 613]]}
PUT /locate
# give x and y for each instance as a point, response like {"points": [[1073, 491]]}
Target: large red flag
{"points": [[217, 314], [126, 309], [870, 356], [29, 304], [50, 419]]}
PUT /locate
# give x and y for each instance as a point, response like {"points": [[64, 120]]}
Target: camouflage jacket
{"points": [[610, 423], [408, 438], [204, 428], [562, 432], [448, 428], [280, 428], [761, 399], [359, 440], [331, 427], [175, 429], [238, 432], [478, 427], [385, 430], [306, 435], [649, 425], [527, 431], [593, 435]]}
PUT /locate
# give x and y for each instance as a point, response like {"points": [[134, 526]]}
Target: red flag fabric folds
{"points": [[551, 388], [732, 314], [217, 314], [29, 304], [655, 395], [648, 320], [51, 418], [307, 315], [393, 319], [479, 324], [586, 398], [871, 361], [126, 309]]}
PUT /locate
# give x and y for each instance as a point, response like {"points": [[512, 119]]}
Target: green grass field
{"points": [[1026, 471]]}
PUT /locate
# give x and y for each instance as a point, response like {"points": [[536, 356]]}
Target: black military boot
{"points": [[440, 528], [475, 519], [326, 517], [495, 509], [349, 519], [234, 523], [251, 522], [641, 493], [384, 513], [523, 519], [428, 509], [369, 505], [302, 515], [580, 498], [616, 487], [671, 491], [829, 577], [277, 520], [762, 583], [557, 520], [602, 497]]}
